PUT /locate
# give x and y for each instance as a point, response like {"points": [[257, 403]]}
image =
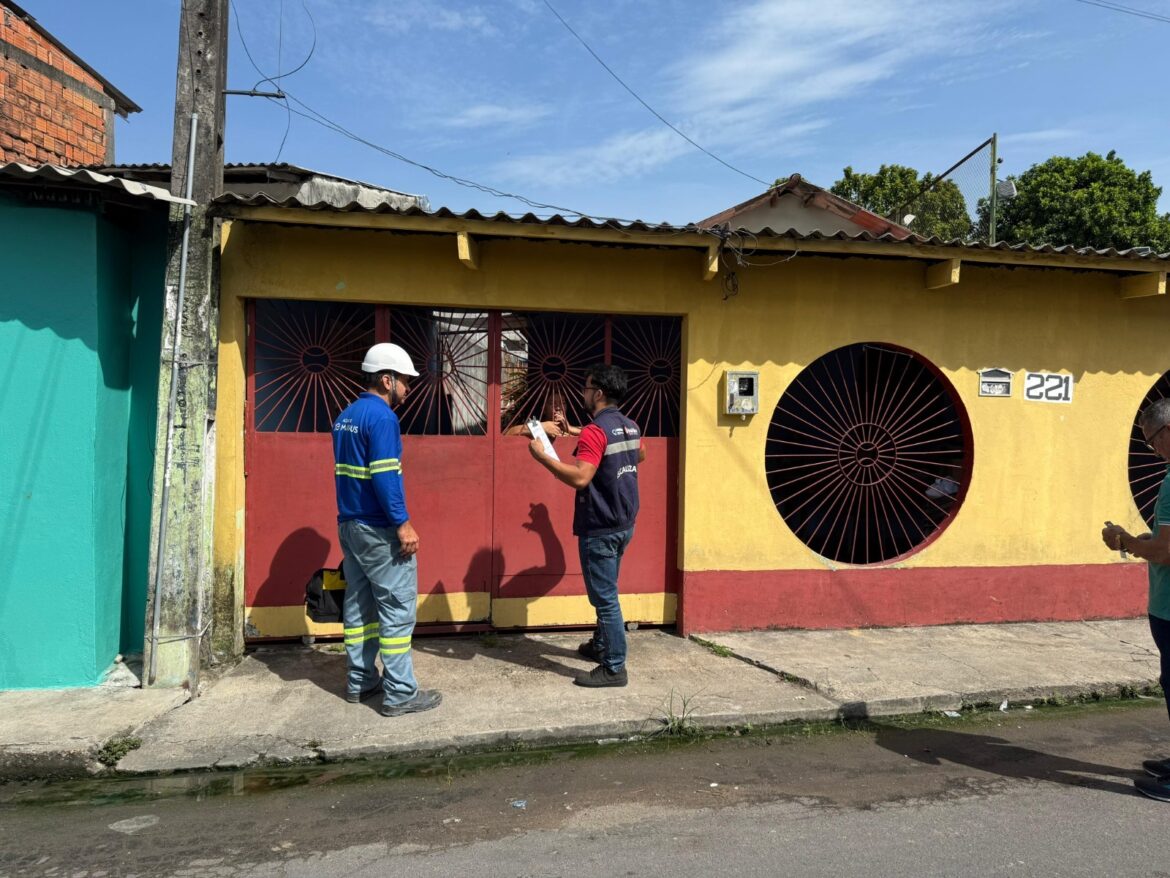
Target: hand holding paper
{"points": [[538, 434]]}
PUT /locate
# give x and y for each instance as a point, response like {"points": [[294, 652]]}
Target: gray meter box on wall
{"points": [[741, 393]]}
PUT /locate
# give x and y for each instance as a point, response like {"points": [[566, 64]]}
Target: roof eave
{"points": [[445, 221]]}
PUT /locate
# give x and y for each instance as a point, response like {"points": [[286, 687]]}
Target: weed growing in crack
{"points": [[677, 722], [116, 748], [716, 648]]}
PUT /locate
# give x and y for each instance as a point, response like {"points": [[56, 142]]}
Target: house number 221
{"points": [[1048, 387]]}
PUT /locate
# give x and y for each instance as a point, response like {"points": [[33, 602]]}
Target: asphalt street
{"points": [[1026, 792]]}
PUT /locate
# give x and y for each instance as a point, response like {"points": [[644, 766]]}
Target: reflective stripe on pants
{"points": [[381, 596]]}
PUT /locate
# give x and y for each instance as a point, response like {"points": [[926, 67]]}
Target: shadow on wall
{"points": [[80, 318], [552, 569], [302, 553]]}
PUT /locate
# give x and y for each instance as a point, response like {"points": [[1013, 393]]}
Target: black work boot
{"points": [[1157, 767], [602, 676], [426, 699]]}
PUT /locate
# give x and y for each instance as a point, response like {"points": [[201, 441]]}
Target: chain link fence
{"points": [[959, 202]]}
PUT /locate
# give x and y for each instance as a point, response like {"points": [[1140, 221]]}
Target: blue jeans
{"points": [[1160, 631], [381, 593], [601, 559]]}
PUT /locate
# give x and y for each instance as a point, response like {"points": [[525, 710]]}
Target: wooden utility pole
{"points": [[180, 576]]}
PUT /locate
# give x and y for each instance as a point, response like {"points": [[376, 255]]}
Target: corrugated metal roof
{"points": [[83, 177], [895, 242], [163, 170], [810, 193]]}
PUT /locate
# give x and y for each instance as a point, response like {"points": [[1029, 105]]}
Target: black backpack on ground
{"points": [[325, 595]]}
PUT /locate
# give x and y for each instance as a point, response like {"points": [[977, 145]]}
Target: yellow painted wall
{"points": [[1044, 477]]}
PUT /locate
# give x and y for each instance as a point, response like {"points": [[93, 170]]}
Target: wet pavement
{"points": [[1042, 791], [283, 704]]}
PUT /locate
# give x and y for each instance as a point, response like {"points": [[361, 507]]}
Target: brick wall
{"points": [[51, 110]]}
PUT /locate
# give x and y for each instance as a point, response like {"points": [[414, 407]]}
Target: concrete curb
{"points": [[278, 752], [282, 707], [113, 716]]}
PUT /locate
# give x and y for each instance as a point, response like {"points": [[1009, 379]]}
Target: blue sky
{"points": [[500, 93]]}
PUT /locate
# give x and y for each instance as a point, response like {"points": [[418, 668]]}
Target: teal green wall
{"points": [[147, 243], [71, 351]]}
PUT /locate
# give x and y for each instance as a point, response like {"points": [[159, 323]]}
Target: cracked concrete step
{"points": [[284, 703], [58, 733], [886, 671]]}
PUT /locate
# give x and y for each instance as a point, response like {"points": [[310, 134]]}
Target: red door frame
{"points": [[666, 450]]}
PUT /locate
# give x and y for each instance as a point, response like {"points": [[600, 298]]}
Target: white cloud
{"points": [[1042, 136], [496, 115], [630, 154], [748, 90], [791, 53], [403, 16]]}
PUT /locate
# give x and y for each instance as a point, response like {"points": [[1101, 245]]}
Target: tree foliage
{"points": [[942, 211], [1090, 201]]}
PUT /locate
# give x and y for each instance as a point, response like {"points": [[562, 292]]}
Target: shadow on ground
{"points": [[999, 756]]}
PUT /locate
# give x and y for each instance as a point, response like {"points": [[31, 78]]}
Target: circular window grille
{"points": [[868, 454], [1146, 469]]}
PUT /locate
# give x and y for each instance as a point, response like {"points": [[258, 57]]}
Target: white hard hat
{"points": [[386, 357]]}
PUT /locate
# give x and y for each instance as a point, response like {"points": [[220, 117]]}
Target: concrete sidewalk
{"points": [[283, 704]]}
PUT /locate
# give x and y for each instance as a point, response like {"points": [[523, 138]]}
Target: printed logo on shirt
{"points": [[346, 426], [624, 431], [626, 470]]}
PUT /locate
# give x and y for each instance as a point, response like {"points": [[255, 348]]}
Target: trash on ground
{"points": [[522, 804], [714, 785], [953, 714], [1004, 705], [1027, 707]]}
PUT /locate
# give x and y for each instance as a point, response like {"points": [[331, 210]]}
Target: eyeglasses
{"points": [[1150, 440]]}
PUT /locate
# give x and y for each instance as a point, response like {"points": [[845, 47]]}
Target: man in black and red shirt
{"points": [[605, 476]]}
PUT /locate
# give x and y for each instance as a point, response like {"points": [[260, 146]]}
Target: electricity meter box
{"points": [[741, 393]]}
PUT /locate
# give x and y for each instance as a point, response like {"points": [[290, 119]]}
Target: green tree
{"points": [[941, 211], [1091, 201]]}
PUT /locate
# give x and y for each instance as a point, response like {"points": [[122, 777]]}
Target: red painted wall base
{"points": [[730, 600]]}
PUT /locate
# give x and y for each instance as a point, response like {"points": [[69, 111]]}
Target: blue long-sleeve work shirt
{"points": [[367, 457]]}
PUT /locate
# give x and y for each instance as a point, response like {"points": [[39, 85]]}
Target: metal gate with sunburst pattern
{"points": [[1146, 467], [496, 542], [868, 454]]}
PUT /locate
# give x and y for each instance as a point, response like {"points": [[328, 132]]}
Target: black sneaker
{"points": [[1157, 767], [589, 650], [602, 676], [355, 697], [1155, 789], [424, 700]]}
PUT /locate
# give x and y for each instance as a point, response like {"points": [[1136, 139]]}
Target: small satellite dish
{"points": [[909, 218], [1006, 189]]}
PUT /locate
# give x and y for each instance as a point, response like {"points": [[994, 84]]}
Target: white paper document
{"points": [[537, 430]]}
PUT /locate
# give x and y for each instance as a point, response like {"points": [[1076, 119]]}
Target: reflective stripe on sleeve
{"points": [[619, 447], [353, 472]]}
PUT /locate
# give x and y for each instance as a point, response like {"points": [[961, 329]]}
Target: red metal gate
{"points": [[495, 528]]}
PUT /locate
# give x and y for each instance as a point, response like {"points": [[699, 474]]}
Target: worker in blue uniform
{"points": [[378, 539]]}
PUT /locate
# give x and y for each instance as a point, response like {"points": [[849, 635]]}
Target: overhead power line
{"points": [[638, 98], [1127, 10], [324, 121]]}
